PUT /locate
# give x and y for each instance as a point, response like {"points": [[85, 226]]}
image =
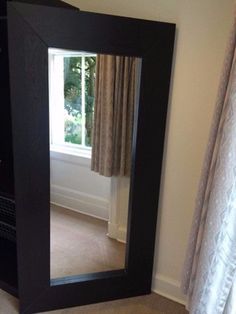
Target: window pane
{"points": [[73, 99], [90, 66]]}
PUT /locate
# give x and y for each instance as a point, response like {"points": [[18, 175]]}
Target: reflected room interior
{"points": [[93, 99]]}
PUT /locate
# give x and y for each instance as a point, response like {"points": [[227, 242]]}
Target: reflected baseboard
{"points": [[80, 202], [117, 232]]}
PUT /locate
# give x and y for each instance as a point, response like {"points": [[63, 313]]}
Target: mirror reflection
{"points": [[92, 103]]}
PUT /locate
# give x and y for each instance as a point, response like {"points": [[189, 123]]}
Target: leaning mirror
{"points": [[89, 96]]}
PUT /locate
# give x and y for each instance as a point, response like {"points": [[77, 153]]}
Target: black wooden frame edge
{"points": [[143, 284], [47, 31], [23, 251], [50, 3]]}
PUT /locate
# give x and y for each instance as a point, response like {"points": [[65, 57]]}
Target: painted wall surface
{"points": [[202, 30], [75, 186]]}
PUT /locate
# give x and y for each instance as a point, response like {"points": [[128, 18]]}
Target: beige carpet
{"points": [[151, 304], [77, 238], [80, 245]]}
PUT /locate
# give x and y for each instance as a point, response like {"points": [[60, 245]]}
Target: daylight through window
{"points": [[71, 85]]}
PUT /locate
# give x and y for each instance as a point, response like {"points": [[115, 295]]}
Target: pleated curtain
{"points": [[209, 276], [113, 115]]}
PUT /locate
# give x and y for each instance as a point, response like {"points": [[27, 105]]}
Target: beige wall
{"points": [[203, 27]]}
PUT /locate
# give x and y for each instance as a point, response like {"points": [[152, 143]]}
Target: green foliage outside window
{"points": [[73, 98]]}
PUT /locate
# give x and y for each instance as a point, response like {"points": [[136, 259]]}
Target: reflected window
{"points": [[72, 87]]}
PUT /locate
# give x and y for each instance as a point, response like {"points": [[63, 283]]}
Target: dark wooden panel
{"points": [[53, 3], [8, 257], [31, 156], [66, 29], [49, 3], [8, 267], [3, 8], [6, 155]]}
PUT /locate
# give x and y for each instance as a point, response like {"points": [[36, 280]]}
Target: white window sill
{"points": [[71, 155]]}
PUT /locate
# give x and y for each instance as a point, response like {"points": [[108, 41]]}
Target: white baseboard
{"points": [[80, 202], [117, 232], [168, 288]]}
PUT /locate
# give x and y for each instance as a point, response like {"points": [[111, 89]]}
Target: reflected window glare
{"points": [[71, 80]]}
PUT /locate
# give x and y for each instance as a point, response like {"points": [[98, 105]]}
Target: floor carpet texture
{"points": [[149, 304]]}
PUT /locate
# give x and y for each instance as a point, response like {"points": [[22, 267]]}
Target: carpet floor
{"points": [[80, 245], [100, 253], [150, 304]]}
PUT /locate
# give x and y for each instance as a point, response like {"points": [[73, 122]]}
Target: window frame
{"points": [[56, 96]]}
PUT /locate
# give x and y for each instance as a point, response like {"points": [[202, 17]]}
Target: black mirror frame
{"points": [[32, 30]]}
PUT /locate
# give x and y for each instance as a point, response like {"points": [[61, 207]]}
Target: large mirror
{"points": [[93, 98], [85, 216]]}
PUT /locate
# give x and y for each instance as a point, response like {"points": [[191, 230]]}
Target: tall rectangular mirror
{"points": [[75, 213]]}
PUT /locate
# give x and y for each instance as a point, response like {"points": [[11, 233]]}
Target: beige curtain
{"points": [[114, 115], [209, 277]]}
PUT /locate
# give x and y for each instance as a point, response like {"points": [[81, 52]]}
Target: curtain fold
{"points": [[113, 115], [210, 266]]}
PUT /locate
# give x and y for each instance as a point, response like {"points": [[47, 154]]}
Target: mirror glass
{"points": [[93, 99]]}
